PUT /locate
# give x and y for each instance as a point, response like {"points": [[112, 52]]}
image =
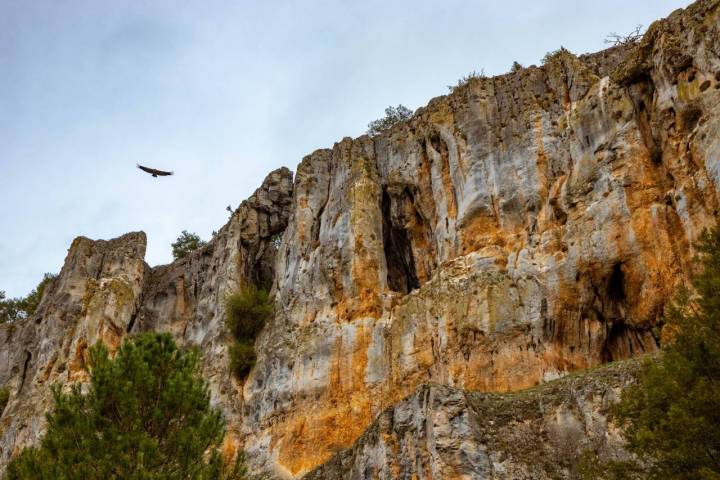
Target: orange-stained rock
{"points": [[520, 228]]}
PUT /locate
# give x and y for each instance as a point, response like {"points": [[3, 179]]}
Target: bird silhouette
{"points": [[155, 173]]}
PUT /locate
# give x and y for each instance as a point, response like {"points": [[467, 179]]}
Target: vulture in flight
{"points": [[154, 172]]}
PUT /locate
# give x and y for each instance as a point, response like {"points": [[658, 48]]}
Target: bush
{"points": [[12, 309], [555, 54], [186, 243], [31, 302], [246, 313], [242, 358], [146, 415], [4, 397], [392, 117], [671, 416]]}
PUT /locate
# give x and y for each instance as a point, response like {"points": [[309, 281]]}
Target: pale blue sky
{"points": [[222, 92]]}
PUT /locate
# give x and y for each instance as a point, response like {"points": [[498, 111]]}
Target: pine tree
{"points": [[146, 415], [185, 244], [393, 116]]}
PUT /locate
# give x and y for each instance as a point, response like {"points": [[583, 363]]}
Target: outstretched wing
{"points": [[154, 172]]}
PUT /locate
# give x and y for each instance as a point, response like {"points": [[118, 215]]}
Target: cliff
{"points": [[444, 432], [523, 227]]}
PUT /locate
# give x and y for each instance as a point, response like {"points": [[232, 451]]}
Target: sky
{"points": [[222, 92]]}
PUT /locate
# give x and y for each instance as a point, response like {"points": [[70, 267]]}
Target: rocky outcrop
{"points": [[93, 299], [105, 291], [446, 433], [518, 229]]}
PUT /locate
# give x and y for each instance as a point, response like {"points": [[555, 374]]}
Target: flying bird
{"points": [[154, 172]]}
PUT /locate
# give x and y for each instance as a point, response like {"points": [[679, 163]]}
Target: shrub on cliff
{"points": [[672, 415], [392, 117], [242, 357], [245, 315], [247, 311], [12, 309], [9, 309], [186, 243], [31, 302], [555, 54], [146, 415]]}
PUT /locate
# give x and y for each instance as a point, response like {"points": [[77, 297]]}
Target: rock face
{"points": [[518, 229], [444, 432], [187, 298], [93, 299]]}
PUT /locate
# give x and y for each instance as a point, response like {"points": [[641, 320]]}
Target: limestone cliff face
{"points": [[93, 299], [520, 228]]}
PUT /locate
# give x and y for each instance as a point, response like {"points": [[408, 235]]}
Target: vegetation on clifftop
{"points": [[393, 116], [146, 415], [12, 309], [671, 417], [186, 243]]}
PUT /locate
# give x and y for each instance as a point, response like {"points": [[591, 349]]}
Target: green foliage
{"points": [[392, 117], [246, 314], [12, 309], [31, 302], [555, 54], [242, 357], [516, 67], [672, 415], [467, 79], [247, 311], [4, 397], [186, 243], [146, 415]]}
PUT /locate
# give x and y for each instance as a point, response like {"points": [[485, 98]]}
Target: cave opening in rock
{"points": [[616, 284], [401, 273], [625, 341], [618, 343]]}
